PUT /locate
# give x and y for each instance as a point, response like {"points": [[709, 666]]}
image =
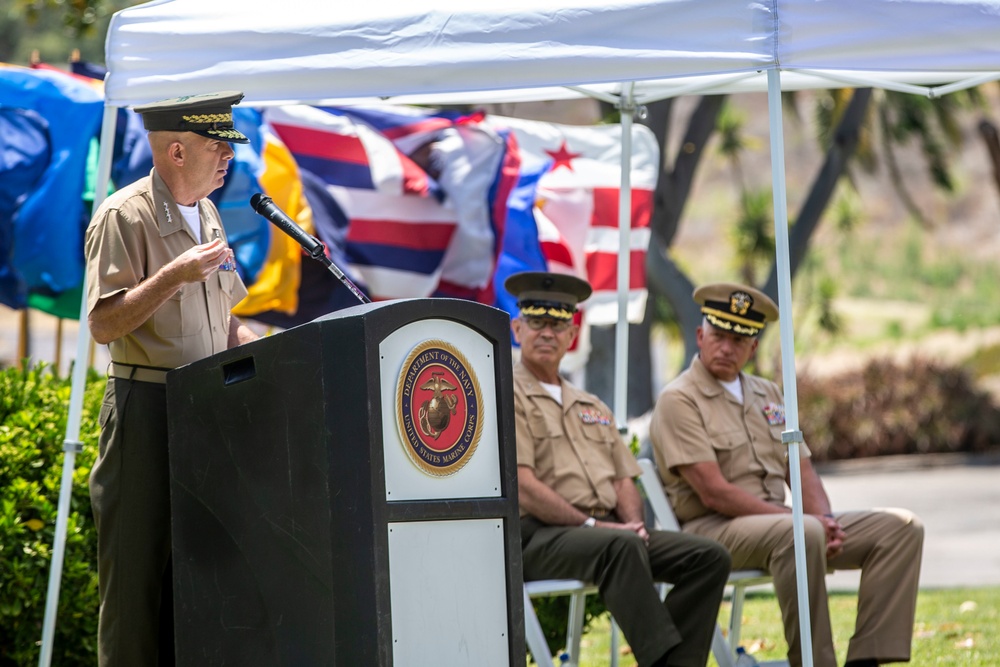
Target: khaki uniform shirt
{"points": [[137, 231], [696, 420], [573, 448]]}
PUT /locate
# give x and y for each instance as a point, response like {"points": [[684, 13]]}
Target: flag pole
{"points": [[23, 338], [59, 337]]}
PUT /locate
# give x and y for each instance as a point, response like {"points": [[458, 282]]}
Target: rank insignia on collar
{"points": [[590, 416], [166, 211], [775, 414]]}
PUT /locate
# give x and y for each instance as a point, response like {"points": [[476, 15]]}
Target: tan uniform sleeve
{"points": [[625, 463], [680, 434], [114, 257], [525, 443]]}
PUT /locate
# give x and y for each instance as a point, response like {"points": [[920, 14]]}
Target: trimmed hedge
{"points": [[33, 413], [884, 409]]}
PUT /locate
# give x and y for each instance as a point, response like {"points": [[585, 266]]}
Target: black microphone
{"points": [[263, 205]]}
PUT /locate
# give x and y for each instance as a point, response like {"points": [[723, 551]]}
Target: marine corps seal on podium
{"points": [[438, 403]]}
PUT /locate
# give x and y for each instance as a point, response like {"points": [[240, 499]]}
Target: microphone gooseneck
{"points": [[263, 205]]}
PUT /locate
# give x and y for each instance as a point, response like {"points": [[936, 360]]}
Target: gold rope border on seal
{"points": [[405, 441]]}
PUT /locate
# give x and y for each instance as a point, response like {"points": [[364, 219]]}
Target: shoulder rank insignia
{"points": [[775, 414], [591, 416]]}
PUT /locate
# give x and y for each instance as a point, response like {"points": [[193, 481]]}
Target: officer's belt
{"points": [[596, 512], [139, 373]]}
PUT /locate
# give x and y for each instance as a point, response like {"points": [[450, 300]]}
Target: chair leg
{"points": [[534, 636], [574, 629], [723, 652], [736, 617], [615, 635]]}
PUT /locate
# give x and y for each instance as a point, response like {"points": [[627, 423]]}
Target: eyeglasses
{"points": [[539, 323]]}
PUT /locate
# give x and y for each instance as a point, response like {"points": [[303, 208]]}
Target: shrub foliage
{"points": [[33, 413], [886, 408]]}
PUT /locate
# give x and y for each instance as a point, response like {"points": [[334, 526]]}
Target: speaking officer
{"points": [[159, 294], [716, 434], [581, 514]]}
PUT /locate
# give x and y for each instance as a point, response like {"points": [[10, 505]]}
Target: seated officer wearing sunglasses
{"points": [[581, 514]]}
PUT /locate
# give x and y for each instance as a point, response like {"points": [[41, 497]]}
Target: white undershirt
{"points": [[734, 388], [555, 391], [192, 219]]}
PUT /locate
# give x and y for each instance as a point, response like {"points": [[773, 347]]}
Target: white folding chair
{"points": [[535, 638], [724, 650]]}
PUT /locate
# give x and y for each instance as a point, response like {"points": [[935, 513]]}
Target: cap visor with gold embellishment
{"points": [[552, 295], [736, 308], [210, 115]]}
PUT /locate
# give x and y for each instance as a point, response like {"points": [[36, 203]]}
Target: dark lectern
{"points": [[345, 493]]}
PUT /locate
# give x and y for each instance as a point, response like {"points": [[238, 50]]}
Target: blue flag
{"points": [[48, 226], [25, 153]]}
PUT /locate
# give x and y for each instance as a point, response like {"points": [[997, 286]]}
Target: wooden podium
{"points": [[345, 493]]}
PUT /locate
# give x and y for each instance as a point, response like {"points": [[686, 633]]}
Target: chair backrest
{"points": [[663, 513]]}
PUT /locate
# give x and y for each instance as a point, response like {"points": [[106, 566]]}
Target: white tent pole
{"points": [[857, 81], [792, 436], [940, 91], [627, 108], [610, 98], [700, 87], [72, 444]]}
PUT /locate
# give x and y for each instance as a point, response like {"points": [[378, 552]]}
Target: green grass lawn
{"points": [[953, 627]]}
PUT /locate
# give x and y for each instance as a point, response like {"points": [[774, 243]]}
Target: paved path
{"points": [[958, 498]]}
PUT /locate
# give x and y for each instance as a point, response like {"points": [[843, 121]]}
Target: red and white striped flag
{"points": [[577, 205]]}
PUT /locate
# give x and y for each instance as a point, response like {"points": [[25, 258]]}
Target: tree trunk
{"points": [[601, 366], [845, 142], [988, 131], [665, 278], [662, 276]]}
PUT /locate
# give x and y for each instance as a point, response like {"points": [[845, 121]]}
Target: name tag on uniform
{"points": [[594, 417], [775, 414]]}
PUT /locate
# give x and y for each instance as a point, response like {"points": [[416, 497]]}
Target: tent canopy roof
{"points": [[313, 51]]}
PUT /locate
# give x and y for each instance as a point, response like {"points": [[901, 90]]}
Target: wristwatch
{"points": [[589, 523]]}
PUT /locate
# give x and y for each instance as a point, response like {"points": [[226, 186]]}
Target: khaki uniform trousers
{"points": [[886, 545], [130, 496], [624, 568]]}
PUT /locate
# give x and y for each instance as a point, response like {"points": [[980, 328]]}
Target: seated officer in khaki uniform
{"points": [[159, 293], [716, 435], [581, 514]]}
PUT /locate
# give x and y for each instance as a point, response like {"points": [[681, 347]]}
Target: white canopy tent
{"points": [[625, 51]]}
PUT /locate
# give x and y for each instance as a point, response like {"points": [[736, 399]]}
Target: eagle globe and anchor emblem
{"points": [[438, 404], [435, 414]]}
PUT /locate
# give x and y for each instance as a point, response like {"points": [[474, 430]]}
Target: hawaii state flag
{"points": [[576, 172], [471, 171], [416, 194]]}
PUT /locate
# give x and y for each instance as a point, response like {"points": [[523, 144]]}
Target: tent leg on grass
{"points": [[72, 444]]}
